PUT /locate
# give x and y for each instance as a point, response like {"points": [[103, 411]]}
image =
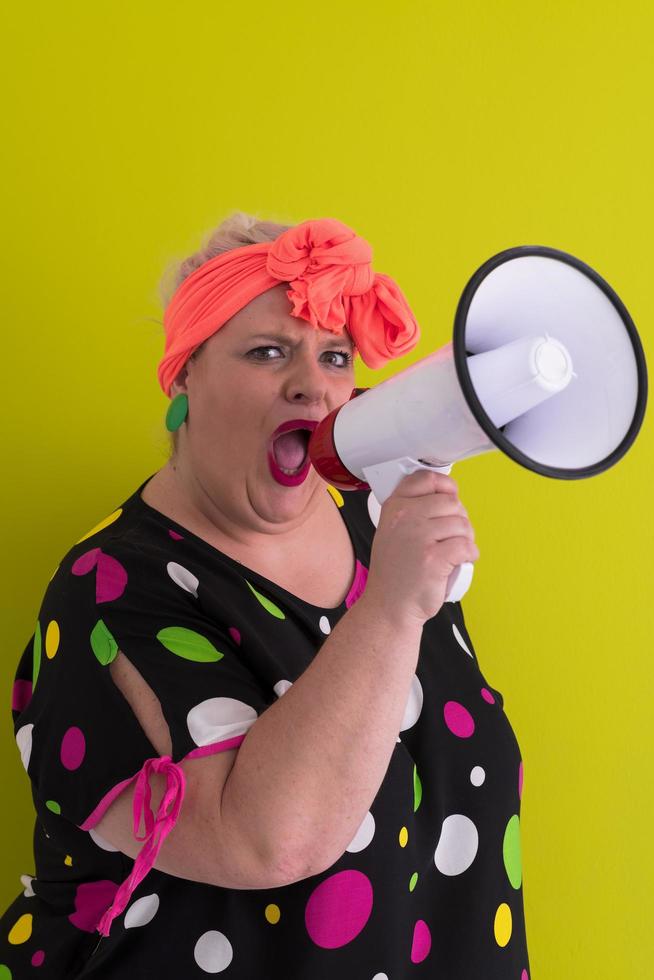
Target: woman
{"points": [[257, 736]]}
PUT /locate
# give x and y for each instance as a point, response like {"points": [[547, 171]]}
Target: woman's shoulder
{"points": [[116, 533], [121, 553]]}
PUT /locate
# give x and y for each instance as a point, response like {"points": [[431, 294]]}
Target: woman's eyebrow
{"points": [[283, 339]]}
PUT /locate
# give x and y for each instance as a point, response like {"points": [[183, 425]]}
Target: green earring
{"points": [[177, 412]]}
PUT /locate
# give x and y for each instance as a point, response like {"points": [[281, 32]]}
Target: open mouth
{"points": [[290, 450]]}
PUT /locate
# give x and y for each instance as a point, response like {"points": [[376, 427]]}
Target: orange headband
{"points": [[332, 285]]}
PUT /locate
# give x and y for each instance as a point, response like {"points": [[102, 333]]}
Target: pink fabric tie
{"points": [[157, 828]]}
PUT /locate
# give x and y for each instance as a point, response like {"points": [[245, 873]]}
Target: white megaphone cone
{"points": [[545, 364]]}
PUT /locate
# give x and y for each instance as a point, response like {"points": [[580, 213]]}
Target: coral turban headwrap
{"points": [[332, 286]]}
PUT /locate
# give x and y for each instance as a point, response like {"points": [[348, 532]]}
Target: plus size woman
{"points": [[259, 741]]}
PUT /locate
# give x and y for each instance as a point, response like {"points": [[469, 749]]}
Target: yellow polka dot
{"points": [[503, 924], [52, 638], [273, 914], [22, 930], [404, 836], [68, 860], [336, 494], [104, 523]]}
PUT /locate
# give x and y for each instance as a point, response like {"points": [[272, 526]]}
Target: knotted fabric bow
{"points": [[157, 828], [333, 286]]}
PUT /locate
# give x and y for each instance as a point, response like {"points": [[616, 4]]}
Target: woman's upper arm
{"points": [[91, 736], [199, 847]]}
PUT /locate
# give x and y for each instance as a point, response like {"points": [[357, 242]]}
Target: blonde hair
{"points": [[235, 231]]}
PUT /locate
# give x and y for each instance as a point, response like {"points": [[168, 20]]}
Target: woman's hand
{"points": [[423, 533]]}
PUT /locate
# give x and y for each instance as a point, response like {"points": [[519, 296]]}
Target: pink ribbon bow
{"points": [[157, 828]]}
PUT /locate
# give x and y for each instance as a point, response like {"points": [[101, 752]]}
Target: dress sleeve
{"points": [[79, 739]]}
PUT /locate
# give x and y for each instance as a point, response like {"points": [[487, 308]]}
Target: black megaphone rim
{"points": [[461, 354]]}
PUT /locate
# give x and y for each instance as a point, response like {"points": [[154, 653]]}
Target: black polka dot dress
{"points": [[430, 885]]}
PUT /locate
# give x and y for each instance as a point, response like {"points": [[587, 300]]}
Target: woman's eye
{"points": [[347, 357], [257, 349]]}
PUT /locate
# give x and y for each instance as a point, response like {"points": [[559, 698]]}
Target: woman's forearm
{"points": [[311, 765]]}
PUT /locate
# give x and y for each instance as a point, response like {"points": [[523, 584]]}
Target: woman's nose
{"points": [[308, 378]]}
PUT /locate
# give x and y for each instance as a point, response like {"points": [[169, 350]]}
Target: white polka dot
{"points": [[24, 743], [281, 687], [477, 776], [460, 640], [216, 719], [182, 577], [101, 842], [364, 834], [380, 976], [413, 705], [324, 625], [142, 911], [213, 952], [26, 881], [374, 508], [457, 845]]}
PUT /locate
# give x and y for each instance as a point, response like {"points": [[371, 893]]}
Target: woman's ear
{"points": [[179, 384]]}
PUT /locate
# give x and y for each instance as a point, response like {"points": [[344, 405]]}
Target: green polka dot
{"points": [[5, 972], [414, 879], [36, 651], [417, 789], [511, 851], [103, 644], [267, 604], [189, 644], [54, 806]]}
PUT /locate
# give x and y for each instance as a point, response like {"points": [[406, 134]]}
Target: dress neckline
{"points": [[137, 501]]}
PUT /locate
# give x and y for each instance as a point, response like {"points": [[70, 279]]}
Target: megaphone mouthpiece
{"points": [[513, 378]]}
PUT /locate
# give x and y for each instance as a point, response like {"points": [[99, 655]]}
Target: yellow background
{"points": [[442, 133]]}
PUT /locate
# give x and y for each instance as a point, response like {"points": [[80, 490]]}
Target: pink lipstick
{"points": [[295, 478]]}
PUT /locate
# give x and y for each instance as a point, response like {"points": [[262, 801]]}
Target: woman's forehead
{"points": [[269, 313]]}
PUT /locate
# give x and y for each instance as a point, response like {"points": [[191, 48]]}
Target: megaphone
{"points": [[545, 364]]}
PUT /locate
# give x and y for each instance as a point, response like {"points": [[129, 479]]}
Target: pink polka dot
{"points": [[111, 577], [21, 695], [73, 748], [235, 635], [338, 909], [92, 899], [458, 719], [487, 696], [358, 585], [86, 562], [520, 779], [38, 958], [524, 975], [421, 942], [174, 535]]}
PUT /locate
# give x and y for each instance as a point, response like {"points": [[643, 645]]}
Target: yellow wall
{"points": [[442, 132]]}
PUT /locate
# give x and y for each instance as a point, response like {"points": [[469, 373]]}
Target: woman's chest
{"points": [[321, 572], [319, 569]]}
